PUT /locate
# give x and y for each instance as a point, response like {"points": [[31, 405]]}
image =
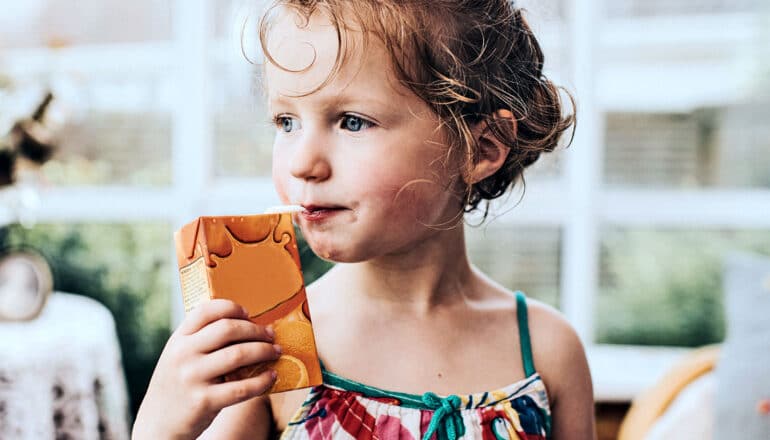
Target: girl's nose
{"points": [[310, 161]]}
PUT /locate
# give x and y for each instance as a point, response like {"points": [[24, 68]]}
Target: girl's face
{"points": [[363, 154]]}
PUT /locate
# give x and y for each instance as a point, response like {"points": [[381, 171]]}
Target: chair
{"points": [[648, 408]]}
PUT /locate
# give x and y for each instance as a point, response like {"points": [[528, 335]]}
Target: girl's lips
{"points": [[318, 213]]}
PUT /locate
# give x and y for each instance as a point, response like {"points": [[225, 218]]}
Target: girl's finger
{"points": [[230, 393], [210, 311], [230, 358], [225, 332]]}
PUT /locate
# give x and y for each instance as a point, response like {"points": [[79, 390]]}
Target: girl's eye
{"points": [[354, 123], [287, 124]]}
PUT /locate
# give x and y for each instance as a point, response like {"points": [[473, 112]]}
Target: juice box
{"points": [[253, 260]]}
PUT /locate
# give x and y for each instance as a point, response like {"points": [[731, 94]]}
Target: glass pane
{"points": [[547, 10], [547, 20], [58, 23], [655, 149], [124, 266], [549, 166], [115, 129], [727, 146], [742, 153], [227, 16], [519, 258], [242, 131], [664, 287], [640, 8]]}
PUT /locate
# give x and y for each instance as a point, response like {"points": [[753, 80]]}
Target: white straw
{"points": [[284, 209]]}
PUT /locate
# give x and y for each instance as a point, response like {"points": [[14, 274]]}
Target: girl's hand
{"points": [[186, 391]]}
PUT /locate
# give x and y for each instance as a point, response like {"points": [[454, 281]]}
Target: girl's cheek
{"points": [[282, 194]]}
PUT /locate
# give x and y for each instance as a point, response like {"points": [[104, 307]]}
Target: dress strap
{"points": [[526, 345]]}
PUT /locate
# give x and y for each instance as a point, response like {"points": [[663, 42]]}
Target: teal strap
{"points": [[446, 420], [526, 345]]}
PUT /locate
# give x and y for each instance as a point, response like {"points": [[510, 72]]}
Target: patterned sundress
{"points": [[344, 409]]}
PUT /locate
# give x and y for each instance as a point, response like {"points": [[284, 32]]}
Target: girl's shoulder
{"points": [[554, 344], [546, 320], [549, 326], [556, 347], [546, 325]]}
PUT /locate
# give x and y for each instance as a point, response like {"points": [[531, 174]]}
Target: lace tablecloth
{"points": [[61, 375]]}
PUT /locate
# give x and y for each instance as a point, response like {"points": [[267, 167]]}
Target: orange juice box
{"points": [[253, 260]]}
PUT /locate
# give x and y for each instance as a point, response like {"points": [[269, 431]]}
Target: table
{"points": [[61, 375]]}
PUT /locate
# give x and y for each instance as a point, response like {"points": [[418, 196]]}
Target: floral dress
{"points": [[345, 409]]}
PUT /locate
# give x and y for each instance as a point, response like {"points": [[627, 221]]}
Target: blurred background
{"points": [[157, 119]]}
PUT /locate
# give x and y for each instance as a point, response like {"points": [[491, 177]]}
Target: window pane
{"points": [[56, 23], [640, 8], [116, 130], [664, 287], [227, 16], [547, 20], [519, 258], [742, 153], [655, 149], [727, 146], [124, 266], [242, 131], [548, 10]]}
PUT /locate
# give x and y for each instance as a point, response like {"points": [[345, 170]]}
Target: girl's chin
{"points": [[324, 251], [336, 254]]}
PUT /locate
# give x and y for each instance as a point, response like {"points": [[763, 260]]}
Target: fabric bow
{"points": [[446, 420]]}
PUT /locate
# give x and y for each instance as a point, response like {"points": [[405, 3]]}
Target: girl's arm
{"points": [[250, 420], [561, 360], [185, 393], [573, 405], [258, 418]]}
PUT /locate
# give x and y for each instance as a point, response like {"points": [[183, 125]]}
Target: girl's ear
{"points": [[492, 152]]}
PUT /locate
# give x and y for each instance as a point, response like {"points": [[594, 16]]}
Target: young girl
{"points": [[392, 118]]}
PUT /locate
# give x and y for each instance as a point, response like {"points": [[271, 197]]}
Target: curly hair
{"points": [[466, 59]]}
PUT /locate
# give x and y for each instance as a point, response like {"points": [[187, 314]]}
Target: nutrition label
{"points": [[195, 284]]}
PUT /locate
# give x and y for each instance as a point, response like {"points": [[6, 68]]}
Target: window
{"points": [[640, 8], [664, 286], [50, 23], [707, 147], [521, 258]]}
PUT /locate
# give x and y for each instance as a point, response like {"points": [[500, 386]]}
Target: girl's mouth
{"points": [[315, 213]]}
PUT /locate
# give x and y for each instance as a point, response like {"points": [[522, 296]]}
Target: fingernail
{"points": [[277, 348], [274, 374], [270, 331], [245, 312]]}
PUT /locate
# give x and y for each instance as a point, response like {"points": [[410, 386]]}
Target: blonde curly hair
{"points": [[466, 59]]}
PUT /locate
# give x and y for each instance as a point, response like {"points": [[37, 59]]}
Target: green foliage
{"points": [[126, 268], [665, 288]]}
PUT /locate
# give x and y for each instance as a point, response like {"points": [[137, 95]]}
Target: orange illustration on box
{"points": [[253, 260]]}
